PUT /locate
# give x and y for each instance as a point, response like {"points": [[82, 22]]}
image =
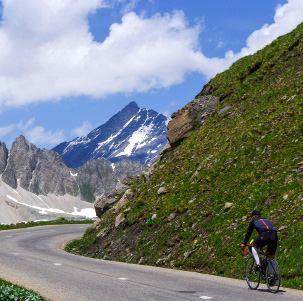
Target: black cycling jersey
{"points": [[262, 225]]}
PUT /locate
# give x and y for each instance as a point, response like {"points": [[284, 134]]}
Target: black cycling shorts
{"points": [[269, 239]]}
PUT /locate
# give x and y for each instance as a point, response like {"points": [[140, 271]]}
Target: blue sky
{"points": [[67, 66]]}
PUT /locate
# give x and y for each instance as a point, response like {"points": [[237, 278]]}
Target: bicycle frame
{"points": [[270, 272]]}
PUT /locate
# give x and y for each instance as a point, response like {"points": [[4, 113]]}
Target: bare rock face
{"points": [[127, 168], [21, 163], [51, 175], [95, 178], [44, 172], [38, 171], [184, 120], [3, 156]]}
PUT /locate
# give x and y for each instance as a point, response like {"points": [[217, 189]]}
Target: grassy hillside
{"points": [[250, 156]]}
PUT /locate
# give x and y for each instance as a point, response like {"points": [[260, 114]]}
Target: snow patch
{"points": [[137, 140], [112, 137], [88, 212], [37, 197]]}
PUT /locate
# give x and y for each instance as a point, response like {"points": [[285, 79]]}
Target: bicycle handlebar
{"points": [[244, 246]]}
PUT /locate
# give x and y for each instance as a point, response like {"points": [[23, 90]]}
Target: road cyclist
{"points": [[267, 268]]}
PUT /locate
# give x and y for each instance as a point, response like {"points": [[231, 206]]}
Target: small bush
{"points": [[13, 292]]}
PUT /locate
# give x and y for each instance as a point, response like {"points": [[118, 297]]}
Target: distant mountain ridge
{"points": [[133, 133], [36, 182]]}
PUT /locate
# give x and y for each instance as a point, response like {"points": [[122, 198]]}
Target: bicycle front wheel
{"points": [[273, 276], [252, 275]]}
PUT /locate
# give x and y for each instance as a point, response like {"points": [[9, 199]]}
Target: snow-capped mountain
{"points": [[133, 133]]}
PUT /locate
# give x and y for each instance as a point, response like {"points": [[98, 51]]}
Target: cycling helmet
{"points": [[255, 212]]}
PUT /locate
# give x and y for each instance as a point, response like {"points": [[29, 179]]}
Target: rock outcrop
{"points": [[51, 175], [110, 199], [3, 156], [185, 119], [21, 163]]}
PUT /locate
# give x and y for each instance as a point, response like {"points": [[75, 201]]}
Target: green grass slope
{"points": [[250, 156]]}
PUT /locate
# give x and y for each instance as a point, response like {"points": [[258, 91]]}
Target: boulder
{"points": [[128, 194], [103, 205], [162, 190], [194, 113], [224, 110], [172, 216], [107, 202], [227, 206], [119, 219]]}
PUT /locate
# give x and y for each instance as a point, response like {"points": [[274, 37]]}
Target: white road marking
{"points": [[123, 279], [52, 230], [57, 264], [8, 236], [15, 253], [205, 297]]}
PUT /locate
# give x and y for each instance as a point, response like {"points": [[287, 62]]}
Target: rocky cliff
{"points": [[43, 172]]}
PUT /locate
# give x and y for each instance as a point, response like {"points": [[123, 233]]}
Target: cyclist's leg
{"points": [[272, 245], [255, 252], [271, 249]]}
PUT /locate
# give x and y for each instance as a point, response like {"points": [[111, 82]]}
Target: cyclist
{"points": [[267, 236]]}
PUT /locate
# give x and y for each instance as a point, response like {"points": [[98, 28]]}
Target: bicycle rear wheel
{"points": [[252, 275], [273, 276]]}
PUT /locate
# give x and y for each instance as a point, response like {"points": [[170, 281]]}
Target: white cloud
{"points": [[84, 129], [128, 5], [47, 51], [21, 126], [5, 130], [24, 126], [38, 135], [286, 18]]}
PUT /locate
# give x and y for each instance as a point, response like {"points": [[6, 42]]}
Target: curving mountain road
{"points": [[33, 258]]}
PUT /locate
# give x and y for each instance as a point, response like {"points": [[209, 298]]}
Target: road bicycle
{"points": [[269, 271]]}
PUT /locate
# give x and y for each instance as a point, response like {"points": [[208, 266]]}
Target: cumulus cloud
{"points": [[84, 129], [21, 126], [128, 5], [38, 135], [286, 18], [47, 51], [35, 134], [4, 130]]}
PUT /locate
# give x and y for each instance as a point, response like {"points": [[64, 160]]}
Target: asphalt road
{"points": [[33, 258]]}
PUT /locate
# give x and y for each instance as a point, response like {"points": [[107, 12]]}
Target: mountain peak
{"points": [[132, 105], [132, 133], [131, 109]]}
